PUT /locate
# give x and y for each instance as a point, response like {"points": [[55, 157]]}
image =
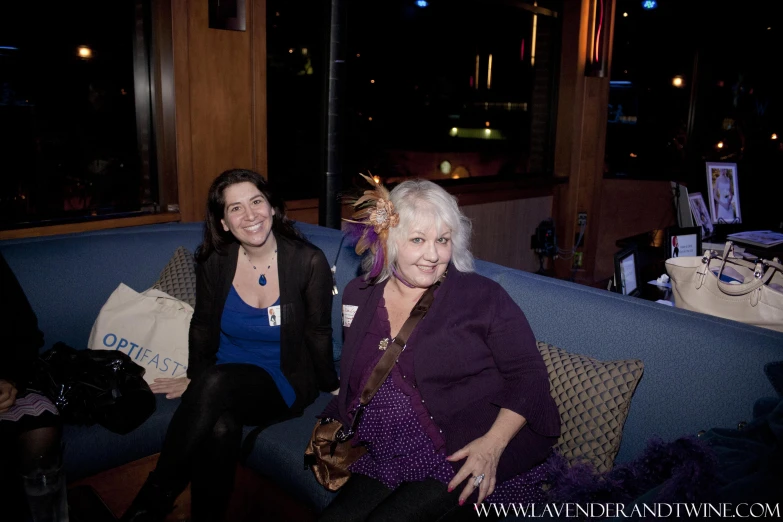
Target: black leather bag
{"points": [[94, 386]]}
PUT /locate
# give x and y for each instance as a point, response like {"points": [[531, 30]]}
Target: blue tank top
{"points": [[246, 336]]}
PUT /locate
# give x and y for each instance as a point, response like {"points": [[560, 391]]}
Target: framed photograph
{"points": [[701, 215], [626, 271], [227, 14], [723, 193], [683, 242]]}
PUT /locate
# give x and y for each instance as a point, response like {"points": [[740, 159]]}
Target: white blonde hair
{"points": [[423, 202]]}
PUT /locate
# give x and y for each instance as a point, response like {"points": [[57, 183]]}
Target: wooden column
{"points": [[220, 99], [163, 106], [580, 140]]}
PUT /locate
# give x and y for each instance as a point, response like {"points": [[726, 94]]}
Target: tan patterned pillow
{"points": [[593, 398], [178, 278]]}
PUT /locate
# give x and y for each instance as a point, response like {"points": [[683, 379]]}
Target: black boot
{"points": [[153, 502]]}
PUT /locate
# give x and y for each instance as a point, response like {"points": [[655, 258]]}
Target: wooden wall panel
{"points": [[591, 169], [303, 210], [220, 84], [502, 230], [220, 99], [580, 142], [257, 14], [628, 208]]}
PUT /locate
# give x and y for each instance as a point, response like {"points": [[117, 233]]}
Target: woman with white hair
{"points": [[465, 412]]}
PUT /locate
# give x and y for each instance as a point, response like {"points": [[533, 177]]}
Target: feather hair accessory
{"points": [[369, 225]]}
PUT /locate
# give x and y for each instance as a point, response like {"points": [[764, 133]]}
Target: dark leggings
{"points": [[364, 499], [203, 440], [20, 442]]}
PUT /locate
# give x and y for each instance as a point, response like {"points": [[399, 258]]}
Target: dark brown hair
{"points": [[215, 238]]}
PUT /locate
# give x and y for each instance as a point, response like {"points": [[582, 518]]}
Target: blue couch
{"points": [[700, 371]]}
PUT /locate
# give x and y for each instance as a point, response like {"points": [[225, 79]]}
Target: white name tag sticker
{"points": [[348, 312], [274, 315]]}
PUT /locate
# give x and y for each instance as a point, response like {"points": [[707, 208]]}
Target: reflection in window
{"points": [[674, 99], [69, 146], [450, 89], [702, 91], [471, 83], [296, 64], [649, 93]]}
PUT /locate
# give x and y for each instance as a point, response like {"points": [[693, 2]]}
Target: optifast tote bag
{"points": [[151, 327]]}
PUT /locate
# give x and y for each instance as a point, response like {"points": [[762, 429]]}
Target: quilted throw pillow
{"points": [[178, 278], [593, 398]]}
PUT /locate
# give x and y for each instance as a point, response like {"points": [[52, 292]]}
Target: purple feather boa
{"points": [[683, 471]]}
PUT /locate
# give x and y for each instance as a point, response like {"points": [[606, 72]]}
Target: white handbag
{"points": [[730, 287], [151, 327]]}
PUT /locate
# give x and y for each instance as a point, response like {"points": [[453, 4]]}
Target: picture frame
{"points": [[682, 242], [723, 193], [626, 272], [230, 15], [683, 205], [701, 214]]}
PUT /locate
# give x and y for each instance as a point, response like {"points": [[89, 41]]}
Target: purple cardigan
{"points": [[474, 354]]}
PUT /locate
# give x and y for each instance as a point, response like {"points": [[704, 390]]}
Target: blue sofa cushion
{"points": [[279, 454], [699, 371], [91, 449]]}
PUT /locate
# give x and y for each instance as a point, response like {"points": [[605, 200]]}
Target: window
{"points": [[449, 89], [442, 89], [702, 92], [650, 90], [75, 126], [296, 64]]}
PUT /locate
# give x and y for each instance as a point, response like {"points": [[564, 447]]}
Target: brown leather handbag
{"points": [[330, 452]]}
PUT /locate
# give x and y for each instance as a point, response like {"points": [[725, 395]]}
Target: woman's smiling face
{"points": [[424, 253], [247, 214]]}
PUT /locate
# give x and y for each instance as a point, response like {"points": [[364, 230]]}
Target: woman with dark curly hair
{"points": [[244, 367]]}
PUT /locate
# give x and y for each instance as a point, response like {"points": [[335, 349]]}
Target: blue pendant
{"points": [[262, 280]]}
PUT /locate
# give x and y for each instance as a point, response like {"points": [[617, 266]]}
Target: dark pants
{"points": [[364, 499], [20, 442], [203, 440]]}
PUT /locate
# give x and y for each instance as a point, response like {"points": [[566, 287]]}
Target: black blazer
{"points": [[305, 310]]}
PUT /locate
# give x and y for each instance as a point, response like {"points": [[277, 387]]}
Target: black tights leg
{"points": [[213, 479], [40, 442], [203, 440], [20, 445]]}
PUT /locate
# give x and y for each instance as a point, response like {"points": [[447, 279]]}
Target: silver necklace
{"points": [[262, 277]]}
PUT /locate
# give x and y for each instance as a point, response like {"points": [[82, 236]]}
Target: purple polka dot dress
{"points": [[402, 442]]}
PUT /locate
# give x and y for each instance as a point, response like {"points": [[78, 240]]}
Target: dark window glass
{"points": [[727, 105], [69, 141], [449, 89], [420, 97], [296, 65], [648, 108]]}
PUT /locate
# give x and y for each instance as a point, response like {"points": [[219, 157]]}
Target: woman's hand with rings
{"points": [[173, 387], [480, 468]]}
